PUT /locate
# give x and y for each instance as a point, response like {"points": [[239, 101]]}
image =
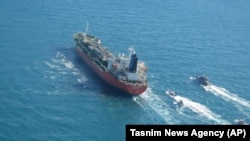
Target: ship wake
{"points": [[200, 109], [226, 95], [148, 98], [63, 65]]}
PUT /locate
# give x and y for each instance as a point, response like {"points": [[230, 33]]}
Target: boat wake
{"points": [[200, 109], [60, 70], [226, 95], [148, 98], [62, 65]]}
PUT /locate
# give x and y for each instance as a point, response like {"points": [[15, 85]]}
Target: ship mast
{"points": [[87, 28]]}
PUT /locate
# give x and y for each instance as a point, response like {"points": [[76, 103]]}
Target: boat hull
{"points": [[131, 89]]}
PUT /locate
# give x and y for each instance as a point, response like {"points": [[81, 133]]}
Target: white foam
{"points": [[138, 101], [50, 65], [82, 79], [58, 54], [191, 78], [75, 73], [63, 66], [225, 94], [157, 104], [63, 72], [54, 60], [199, 109], [202, 110], [69, 65]]}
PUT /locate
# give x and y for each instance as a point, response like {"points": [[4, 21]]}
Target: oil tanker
{"points": [[123, 72]]}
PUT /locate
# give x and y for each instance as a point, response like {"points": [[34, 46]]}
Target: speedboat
{"points": [[203, 80], [171, 93], [240, 121], [180, 103]]}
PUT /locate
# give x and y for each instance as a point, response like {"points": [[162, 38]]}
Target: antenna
{"points": [[87, 28], [131, 49]]}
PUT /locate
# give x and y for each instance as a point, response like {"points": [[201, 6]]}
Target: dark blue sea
{"points": [[47, 93]]}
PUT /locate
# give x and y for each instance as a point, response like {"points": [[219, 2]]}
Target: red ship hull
{"points": [[128, 88]]}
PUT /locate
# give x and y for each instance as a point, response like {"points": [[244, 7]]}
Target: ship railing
{"points": [[99, 65], [139, 83]]}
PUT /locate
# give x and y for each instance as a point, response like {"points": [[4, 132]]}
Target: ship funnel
{"points": [[133, 63]]}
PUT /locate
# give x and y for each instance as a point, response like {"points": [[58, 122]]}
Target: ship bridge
{"points": [[128, 68]]}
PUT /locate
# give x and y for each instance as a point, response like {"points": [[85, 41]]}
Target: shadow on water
{"points": [[95, 83]]}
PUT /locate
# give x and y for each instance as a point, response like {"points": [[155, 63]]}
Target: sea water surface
{"points": [[47, 93]]}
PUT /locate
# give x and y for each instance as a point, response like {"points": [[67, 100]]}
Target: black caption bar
{"points": [[193, 132]]}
